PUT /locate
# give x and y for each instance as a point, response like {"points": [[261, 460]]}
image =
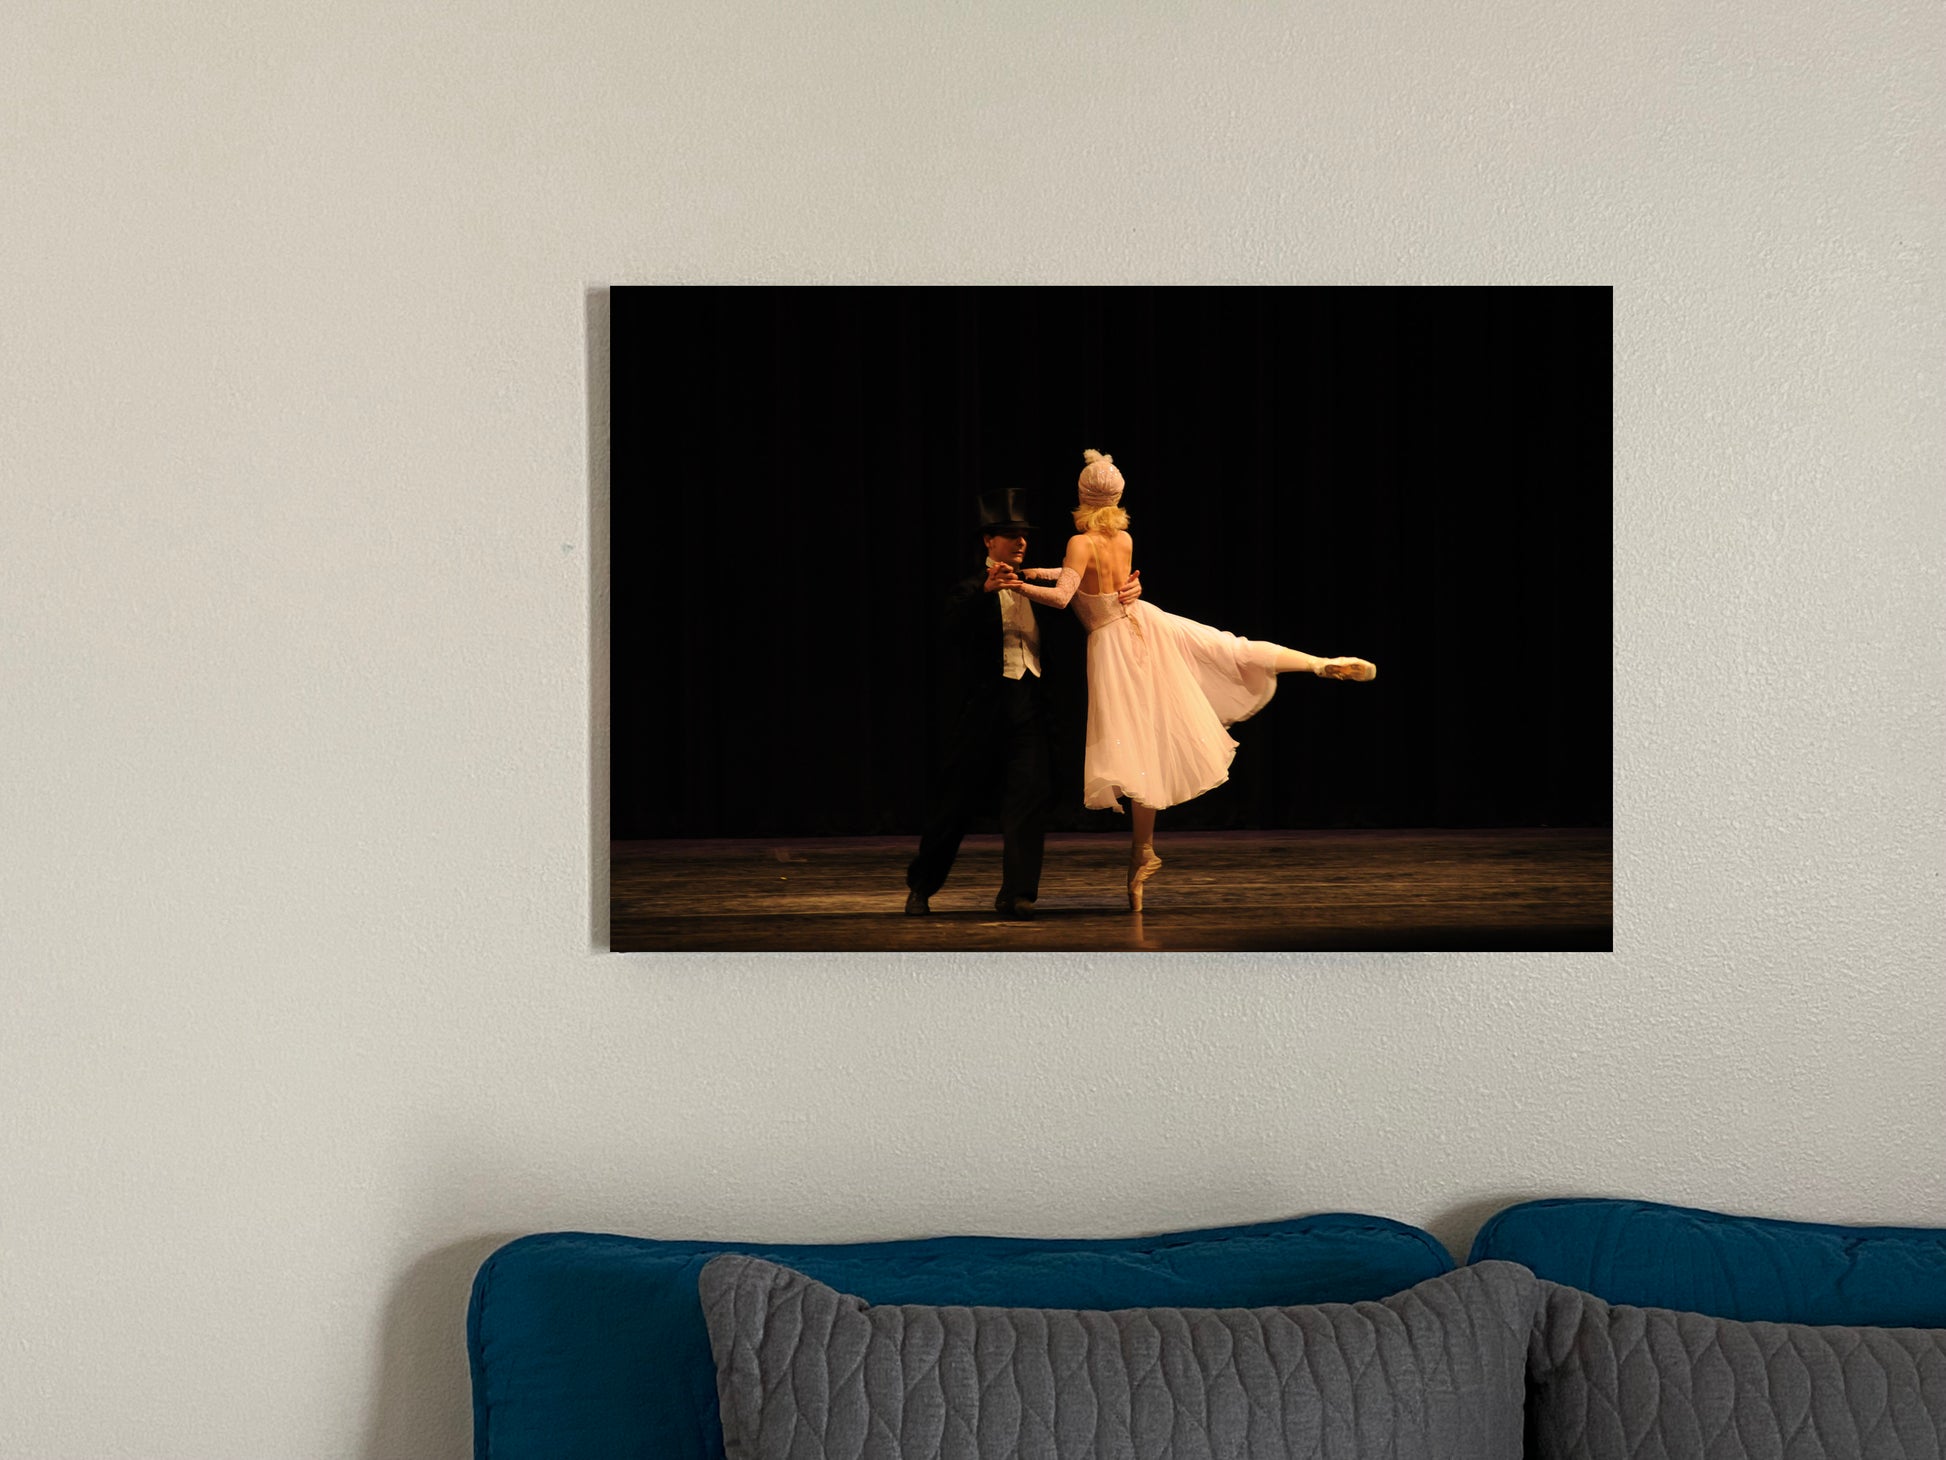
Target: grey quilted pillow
{"points": [[1618, 1383], [805, 1372]]}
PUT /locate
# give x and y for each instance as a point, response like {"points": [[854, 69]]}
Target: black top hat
{"points": [[1004, 511]]}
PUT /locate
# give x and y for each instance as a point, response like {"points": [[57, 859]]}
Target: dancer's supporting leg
{"points": [[1143, 863], [1294, 661]]}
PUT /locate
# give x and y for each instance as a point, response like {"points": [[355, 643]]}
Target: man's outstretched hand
{"points": [[1002, 575]]}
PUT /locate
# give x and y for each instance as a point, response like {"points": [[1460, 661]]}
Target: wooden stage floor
{"points": [[1430, 891]]}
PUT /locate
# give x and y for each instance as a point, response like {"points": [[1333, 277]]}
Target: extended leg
{"points": [[938, 843], [1295, 661], [963, 778]]}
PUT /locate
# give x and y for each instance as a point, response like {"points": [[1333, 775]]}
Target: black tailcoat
{"points": [[1014, 746]]}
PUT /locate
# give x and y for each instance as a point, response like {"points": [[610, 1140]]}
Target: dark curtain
{"points": [[1418, 476]]}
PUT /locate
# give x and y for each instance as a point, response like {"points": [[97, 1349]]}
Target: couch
{"points": [[585, 1345]]}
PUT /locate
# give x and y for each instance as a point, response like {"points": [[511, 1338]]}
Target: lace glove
{"points": [[1065, 582]]}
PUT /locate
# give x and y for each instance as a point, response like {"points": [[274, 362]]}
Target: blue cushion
{"points": [[1749, 1268], [594, 1346]]}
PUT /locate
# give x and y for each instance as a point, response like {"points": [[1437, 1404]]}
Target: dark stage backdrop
{"points": [[1418, 476]]}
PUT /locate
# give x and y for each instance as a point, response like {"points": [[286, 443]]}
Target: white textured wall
{"points": [[297, 893]]}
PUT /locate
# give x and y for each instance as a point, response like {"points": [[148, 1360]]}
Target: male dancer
{"points": [[999, 737]]}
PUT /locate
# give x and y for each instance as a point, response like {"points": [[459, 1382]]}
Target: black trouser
{"points": [[999, 744]]}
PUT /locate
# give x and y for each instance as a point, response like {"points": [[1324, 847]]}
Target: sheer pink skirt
{"points": [[1161, 689]]}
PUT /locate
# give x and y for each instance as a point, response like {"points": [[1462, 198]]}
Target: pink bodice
{"points": [[1097, 610]]}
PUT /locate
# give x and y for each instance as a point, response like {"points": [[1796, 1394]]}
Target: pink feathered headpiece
{"points": [[1101, 483]]}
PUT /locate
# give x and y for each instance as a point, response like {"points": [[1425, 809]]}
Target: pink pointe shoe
{"points": [[1348, 668], [1143, 864]]}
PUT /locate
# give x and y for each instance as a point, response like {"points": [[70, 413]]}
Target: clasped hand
{"points": [[1002, 575]]}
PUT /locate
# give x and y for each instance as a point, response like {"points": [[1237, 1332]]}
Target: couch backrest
{"points": [[1648, 1255], [593, 1347]]}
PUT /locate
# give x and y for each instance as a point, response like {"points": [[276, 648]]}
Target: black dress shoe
{"points": [[1020, 909], [916, 904]]}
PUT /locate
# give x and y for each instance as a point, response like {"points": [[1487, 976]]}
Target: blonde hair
{"points": [[1100, 519], [1100, 488]]}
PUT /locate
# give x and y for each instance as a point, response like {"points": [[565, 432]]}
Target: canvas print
{"points": [[1010, 619]]}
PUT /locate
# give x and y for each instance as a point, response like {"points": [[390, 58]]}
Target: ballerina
{"points": [[1161, 688]]}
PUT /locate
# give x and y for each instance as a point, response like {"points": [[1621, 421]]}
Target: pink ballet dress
{"points": [[1161, 689]]}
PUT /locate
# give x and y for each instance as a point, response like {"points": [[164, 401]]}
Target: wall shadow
{"points": [[422, 1404], [598, 616], [1457, 1226]]}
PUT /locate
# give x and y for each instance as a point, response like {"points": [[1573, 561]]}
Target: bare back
{"points": [[1102, 558]]}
